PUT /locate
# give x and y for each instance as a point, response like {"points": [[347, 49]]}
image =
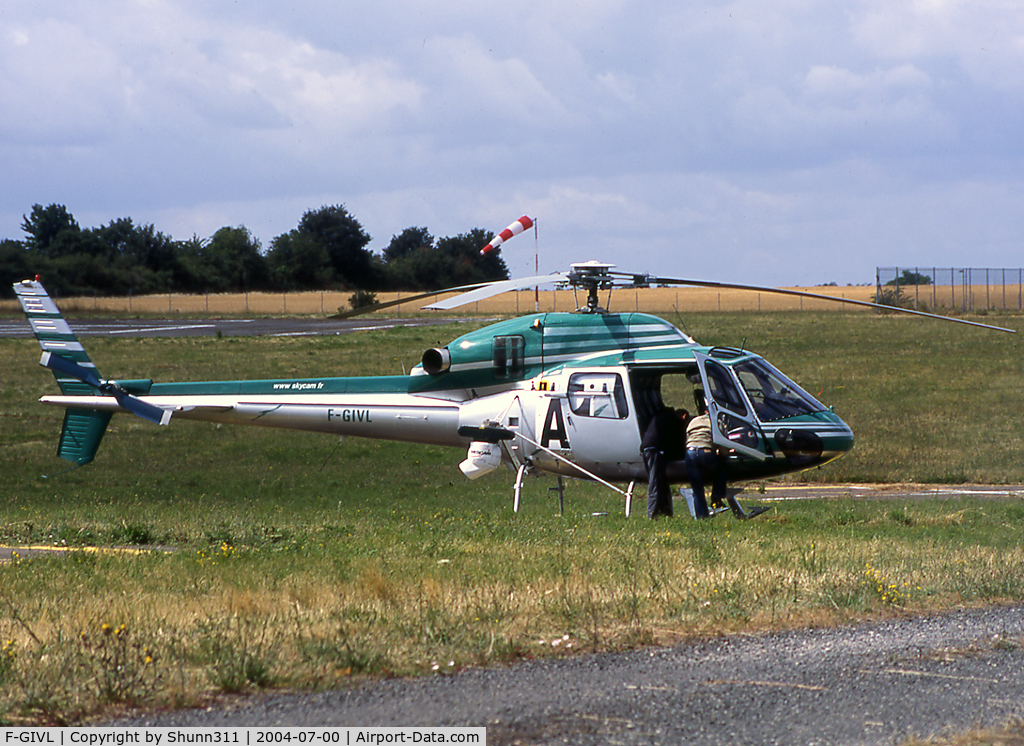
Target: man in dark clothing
{"points": [[664, 441]]}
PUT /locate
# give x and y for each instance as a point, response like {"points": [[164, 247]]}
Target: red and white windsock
{"points": [[516, 228]]}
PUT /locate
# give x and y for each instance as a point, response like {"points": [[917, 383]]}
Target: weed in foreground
{"points": [[125, 667], [239, 652], [886, 592]]}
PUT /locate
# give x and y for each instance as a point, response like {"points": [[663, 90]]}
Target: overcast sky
{"points": [[784, 142]]}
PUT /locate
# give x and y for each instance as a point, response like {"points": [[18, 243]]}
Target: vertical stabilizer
{"points": [[83, 429], [54, 334]]}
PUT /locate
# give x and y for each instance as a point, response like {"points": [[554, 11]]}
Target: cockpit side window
{"points": [[773, 395], [597, 395], [509, 356], [723, 390]]}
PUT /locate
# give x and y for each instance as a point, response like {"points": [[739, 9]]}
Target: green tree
{"points": [[146, 260], [51, 231], [232, 260], [909, 277], [407, 242], [296, 260], [468, 266], [343, 239], [453, 261], [17, 263]]}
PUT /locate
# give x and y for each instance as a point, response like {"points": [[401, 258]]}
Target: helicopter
{"points": [[566, 394]]}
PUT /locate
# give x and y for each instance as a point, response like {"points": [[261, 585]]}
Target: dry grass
{"points": [[652, 300], [434, 592]]}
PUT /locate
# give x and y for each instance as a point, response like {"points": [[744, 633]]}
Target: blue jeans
{"points": [[702, 464]]}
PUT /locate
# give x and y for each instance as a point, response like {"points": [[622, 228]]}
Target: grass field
{"points": [[298, 561]]}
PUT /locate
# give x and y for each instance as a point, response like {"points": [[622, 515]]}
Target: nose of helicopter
{"points": [[836, 436], [811, 443]]}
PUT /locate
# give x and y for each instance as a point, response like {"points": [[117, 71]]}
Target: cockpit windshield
{"points": [[773, 395]]}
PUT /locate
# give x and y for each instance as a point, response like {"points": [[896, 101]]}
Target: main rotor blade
{"points": [[497, 288], [407, 299], [818, 296]]}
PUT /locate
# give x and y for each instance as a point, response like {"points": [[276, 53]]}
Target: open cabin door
{"points": [[732, 422]]}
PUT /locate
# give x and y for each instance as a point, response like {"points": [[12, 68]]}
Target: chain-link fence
{"points": [[950, 288]]}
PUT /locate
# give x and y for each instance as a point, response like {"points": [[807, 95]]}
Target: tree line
{"points": [[326, 250]]}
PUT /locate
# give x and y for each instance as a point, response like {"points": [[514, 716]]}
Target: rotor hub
{"points": [[593, 276]]}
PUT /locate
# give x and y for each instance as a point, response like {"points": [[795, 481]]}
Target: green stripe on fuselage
{"points": [[359, 385]]}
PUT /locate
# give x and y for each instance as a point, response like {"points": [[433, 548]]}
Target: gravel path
{"points": [[872, 683]]}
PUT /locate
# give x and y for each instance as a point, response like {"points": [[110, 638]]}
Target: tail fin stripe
{"points": [[55, 346], [47, 325], [33, 303]]}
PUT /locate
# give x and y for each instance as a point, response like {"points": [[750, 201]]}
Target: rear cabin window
{"points": [[597, 395], [509, 356]]}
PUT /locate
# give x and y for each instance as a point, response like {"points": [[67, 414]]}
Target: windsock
{"points": [[516, 228]]}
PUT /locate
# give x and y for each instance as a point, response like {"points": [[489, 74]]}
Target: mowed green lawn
{"points": [[299, 561]]}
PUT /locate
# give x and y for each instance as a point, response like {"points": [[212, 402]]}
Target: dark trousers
{"points": [[659, 491], [702, 464]]}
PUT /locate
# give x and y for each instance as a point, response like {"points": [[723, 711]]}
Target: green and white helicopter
{"points": [[568, 394]]}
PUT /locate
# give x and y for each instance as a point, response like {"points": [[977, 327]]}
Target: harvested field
{"points": [[653, 300]]}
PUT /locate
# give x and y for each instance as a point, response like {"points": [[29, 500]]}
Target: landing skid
{"points": [[731, 504]]}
